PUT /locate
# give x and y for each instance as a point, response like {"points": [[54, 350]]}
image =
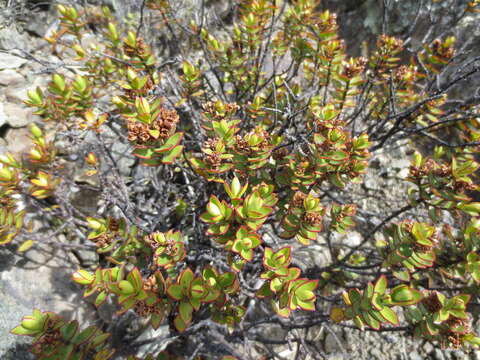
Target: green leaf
{"points": [[180, 325], [26, 245], [125, 287], [185, 310], [69, 330], [100, 299], [100, 339], [175, 291], [20, 330], [186, 278], [381, 285], [389, 315], [171, 142], [84, 335], [172, 155], [144, 153]]}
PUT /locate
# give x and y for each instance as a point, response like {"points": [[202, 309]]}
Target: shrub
{"points": [[251, 143]]}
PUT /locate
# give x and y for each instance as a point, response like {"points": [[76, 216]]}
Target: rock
{"points": [[351, 238], [10, 39], [331, 343], [125, 160], [222, 9], [428, 347], [438, 354], [89, 40], [11, 78], [3, 116], [12, 347], [16, 95], [415, 356], [17, 116], [162, 332], [9, 61], [86, 200], [18, 141], [314, 255], [40, 279]]}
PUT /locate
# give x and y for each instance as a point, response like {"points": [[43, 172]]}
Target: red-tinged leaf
{"points": [[247, 254], [185, 278], [20, 330], [171, 142], [135, 278], [127, 304], [218, 229], [84, 335], [185, 310], [144, 153], [389, 315], [156, 321], [175, 291], [170, 157], [69, 330], [306, 305], [100, 299], [283, 312], [381, 285], [180, 325]]}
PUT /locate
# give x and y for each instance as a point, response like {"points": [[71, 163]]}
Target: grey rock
{"points": [[17, 116], [16, 95], [11, 77], [10, 39], [428, 347], [18, 141], [222, 8], [377, 354], [438, 354], [9, 61], [415, 356], [122, 155], [161, 333], [351, 238], [86, 201], [314, 255], [39, 279], [3, 116]]}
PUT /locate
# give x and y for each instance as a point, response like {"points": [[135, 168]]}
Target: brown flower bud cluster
{"points": [[312, 218], [216, 112], [354, 67], [165, 122], [389, 44], [52, 337], [132, 94], [103, 240], [327, 23], [298, 198], [432, 302], [144, 310], [405, 73], [439, 49], [453, 337], [141, 49], [212, 157], [150, 284]]}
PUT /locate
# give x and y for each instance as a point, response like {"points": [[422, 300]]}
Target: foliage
{"points": [[264, 139]]}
